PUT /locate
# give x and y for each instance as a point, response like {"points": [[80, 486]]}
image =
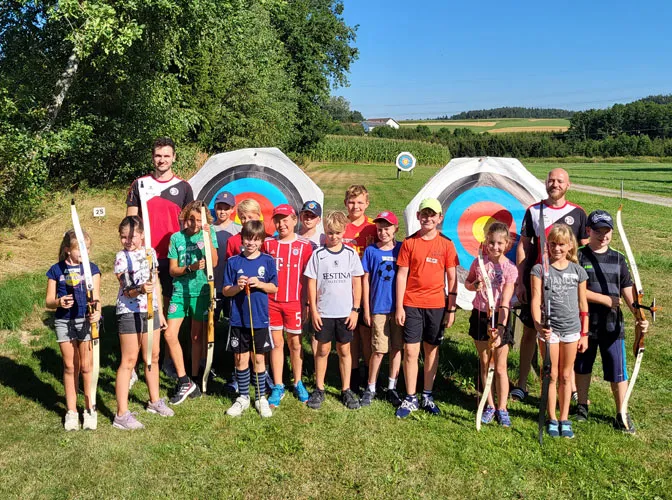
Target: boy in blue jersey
{"points": [[256, 270], [378, 293]]}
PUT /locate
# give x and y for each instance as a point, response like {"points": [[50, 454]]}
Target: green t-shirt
{"points": [[189, 250]]}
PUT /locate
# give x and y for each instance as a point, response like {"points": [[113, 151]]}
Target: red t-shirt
{"points": [[427, 261], [290, 260], [360, 237]]}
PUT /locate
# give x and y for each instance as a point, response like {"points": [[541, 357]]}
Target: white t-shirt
{"points": [[334, 273], [135, 275]]}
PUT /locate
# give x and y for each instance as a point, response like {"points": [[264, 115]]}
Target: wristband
{"points": [[584, 334], [453, 293], [450, 310], [504, 307], [501, 324], [583, 314]]}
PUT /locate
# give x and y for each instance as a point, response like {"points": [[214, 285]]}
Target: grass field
{"points": [[496, 125], [332, 453]]}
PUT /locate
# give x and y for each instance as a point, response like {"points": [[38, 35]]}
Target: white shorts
{"points": [[565, 338]]}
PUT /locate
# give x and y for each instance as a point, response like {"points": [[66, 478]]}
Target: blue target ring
{"points": [[251, 185]]}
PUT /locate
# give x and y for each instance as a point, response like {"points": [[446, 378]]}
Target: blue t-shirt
{"points": [[70, 281], [263, 267], [381, 265]]}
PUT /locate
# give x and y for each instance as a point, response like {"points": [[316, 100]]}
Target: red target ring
{"points": [[474, 221]]}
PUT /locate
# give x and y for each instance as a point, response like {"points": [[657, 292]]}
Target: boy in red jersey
{"points": [[291, 254], [426, 259]]}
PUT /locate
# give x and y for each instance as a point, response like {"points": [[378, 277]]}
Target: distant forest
{"points": [[510, 112]]}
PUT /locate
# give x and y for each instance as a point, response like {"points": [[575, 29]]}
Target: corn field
{"points": [[374, 150]]}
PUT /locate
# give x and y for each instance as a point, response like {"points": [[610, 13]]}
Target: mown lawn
{"points": [[333, 453]]}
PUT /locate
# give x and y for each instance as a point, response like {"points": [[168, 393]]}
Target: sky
{"points": [[423, 59]]}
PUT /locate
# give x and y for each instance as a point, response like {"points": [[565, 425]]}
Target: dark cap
{"points": [[313, 207], [600, 218], [225, 197]]}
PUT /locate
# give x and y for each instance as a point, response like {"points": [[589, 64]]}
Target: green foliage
{"points": [[643, 117], [18, 296], [510, 112]]}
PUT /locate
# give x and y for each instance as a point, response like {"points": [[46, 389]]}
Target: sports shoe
{"points": [[552, 428], [160, 408], [134, 379], [182, 391], [232, 385], [316, 399], [392, 397], [618, 424], [566, 429], [277, 394], [367, 398], [408, 406], [90, 420], [488, 414], [71, 422], [350, 400], [581, 412], [503, 418], [127, 422], [429, 405], [517, 394], [241, 404], [300, 392], [263, 407]]}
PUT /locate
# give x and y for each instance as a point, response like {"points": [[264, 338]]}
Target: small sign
{"points": [[99, 212]]}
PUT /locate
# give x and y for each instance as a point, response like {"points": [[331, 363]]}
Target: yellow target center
{"points": [[480, 227]]}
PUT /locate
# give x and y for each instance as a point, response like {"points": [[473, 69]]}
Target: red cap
{"points": [[284, 209], [387, 216]]}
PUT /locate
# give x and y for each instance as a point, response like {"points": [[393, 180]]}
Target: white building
{"points": [[372, 123]]}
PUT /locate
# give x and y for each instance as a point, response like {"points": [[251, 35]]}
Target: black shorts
{"points": [[165, 278], [612, 350], [424, 325], [240, 340], [525, 313], [334, 328], [478, 328]]}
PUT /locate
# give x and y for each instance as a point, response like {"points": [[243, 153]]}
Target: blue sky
{"points": [[422, 59]]}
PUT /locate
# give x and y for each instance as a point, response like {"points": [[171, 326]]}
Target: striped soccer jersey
{"points": [[290, 258]]}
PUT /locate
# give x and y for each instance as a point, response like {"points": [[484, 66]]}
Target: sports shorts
{"points": [[334, 328], [285, 315], [166, 280], [424, 325], [524, 313], [385, 333], [478, 328], [562, 337], [134, 323], [184, 305], [240, 340], [612, 350], [68, 330]]}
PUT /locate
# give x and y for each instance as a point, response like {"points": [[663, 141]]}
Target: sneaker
{"points": [[300, 392], [517, 394], [367, 398], [90, 420], [277, 394], [316, 399], [197, 393], [160, 408], [392, 397], [488, 415], [430, 406], [350, 400], [134, 379], [182, 391], [263, 407], [566, 429], [581, 412], [408, 406], [127, 422], [231, 387], [71, 422], [503, 418], [619, 426], [552, 428], [241, 404]]}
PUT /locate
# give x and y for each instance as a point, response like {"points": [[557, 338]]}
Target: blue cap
{"points": [[226, 197], [312, 207]]}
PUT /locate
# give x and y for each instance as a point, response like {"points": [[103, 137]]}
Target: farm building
{"points": [[372, 123]]}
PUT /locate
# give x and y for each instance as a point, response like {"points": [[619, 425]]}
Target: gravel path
{"points": [[629, 195]]}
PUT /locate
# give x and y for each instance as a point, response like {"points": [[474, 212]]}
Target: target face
{"points": [[405, 161]]}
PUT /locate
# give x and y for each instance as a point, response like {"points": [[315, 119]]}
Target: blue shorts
{"points": [[612, 350]]}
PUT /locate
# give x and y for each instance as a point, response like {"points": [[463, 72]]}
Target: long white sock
{"points": [[391, 383]]}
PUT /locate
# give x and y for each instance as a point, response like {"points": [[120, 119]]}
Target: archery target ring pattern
{"points": [[405, 161]]}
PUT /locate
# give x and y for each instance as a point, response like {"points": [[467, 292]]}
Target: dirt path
{"points": [[628, 195]]}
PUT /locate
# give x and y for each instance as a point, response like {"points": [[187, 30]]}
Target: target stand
{"points": [[405, 162]]}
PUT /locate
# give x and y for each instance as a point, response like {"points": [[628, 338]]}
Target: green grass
{"points": [[335, 453], [435, 125], [19, 295]]}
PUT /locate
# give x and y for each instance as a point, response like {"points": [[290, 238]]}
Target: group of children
{"points": [[355, 284]]}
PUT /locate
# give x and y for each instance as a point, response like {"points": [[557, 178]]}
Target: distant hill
{"points": [[510, 112], [658, 99]]}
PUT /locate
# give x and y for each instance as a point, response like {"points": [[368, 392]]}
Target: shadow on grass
{"points": [[23, 380]]}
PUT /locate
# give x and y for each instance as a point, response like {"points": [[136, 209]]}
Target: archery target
{"points": [[405, 161]]}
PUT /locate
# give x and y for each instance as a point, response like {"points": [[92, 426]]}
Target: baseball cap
{"points": [[225, 197], [431, 203], [312, 207], [387, 216], [284, 209], [600, 218]]}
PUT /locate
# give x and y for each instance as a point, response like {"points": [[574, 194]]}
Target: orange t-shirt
{"points": [[427, 261], [360, 237]]}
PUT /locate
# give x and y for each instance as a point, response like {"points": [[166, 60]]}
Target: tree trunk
{"points": [[62, 86]]}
